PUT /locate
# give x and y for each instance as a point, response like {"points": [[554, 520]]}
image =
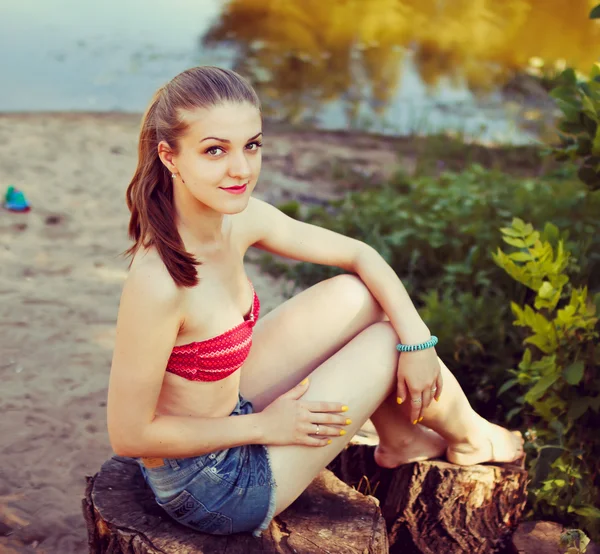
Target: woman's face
{"points": [[219, 156]]}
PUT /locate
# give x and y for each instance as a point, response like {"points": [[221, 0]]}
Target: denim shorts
{"points": [[223, 492]]}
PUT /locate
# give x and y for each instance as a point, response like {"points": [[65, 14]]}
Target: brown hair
{"points": [[150, 192]]}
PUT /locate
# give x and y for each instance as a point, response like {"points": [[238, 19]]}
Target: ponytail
{"points": [[150, 200]]}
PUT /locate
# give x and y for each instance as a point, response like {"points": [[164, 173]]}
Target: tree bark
{"points": [[435, 507], [122, 517]]}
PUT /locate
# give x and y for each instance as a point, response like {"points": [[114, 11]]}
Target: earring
{"points": [[173, 175]]}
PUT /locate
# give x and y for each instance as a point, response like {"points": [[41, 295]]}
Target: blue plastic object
{"points": [[15, 201]]}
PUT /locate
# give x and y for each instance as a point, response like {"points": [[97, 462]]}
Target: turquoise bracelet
{"points": [[412, 347]]}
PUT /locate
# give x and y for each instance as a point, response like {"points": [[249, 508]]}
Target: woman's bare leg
{"points": [[363, 375], [334, 333]]}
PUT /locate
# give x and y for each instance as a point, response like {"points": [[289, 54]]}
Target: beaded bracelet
{"points": [[412, 347]]}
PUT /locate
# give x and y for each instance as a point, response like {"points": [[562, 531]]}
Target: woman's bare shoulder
{"points": [[149, 278]]}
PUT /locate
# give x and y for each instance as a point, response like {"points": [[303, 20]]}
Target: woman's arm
{"points": [[419, 374], [182, 437], [276, 232], [147, 326]]}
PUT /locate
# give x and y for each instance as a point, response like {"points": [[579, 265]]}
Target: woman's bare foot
{"points": [[490, 443], [423, 444]]}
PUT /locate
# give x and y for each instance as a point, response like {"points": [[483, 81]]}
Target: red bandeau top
{"points": [[218, 357]]}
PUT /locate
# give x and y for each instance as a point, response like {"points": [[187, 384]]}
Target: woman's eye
{"points": [[254, 145], [214, 150]]}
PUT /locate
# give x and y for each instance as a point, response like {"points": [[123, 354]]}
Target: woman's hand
{"points": [[291, 420], [419, 380]]}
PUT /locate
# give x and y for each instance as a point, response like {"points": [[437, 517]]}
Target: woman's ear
{"points": [[166, 156]]}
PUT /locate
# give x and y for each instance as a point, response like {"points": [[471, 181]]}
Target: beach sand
{"points": [[60, 279]]}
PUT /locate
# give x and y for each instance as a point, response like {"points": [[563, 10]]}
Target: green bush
{"points": [[580, 126], [558, 375]]}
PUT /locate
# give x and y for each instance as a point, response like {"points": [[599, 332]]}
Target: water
{"points": [[392, 66]]}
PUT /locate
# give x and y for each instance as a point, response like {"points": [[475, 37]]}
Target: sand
{"points": [[60, 279]]}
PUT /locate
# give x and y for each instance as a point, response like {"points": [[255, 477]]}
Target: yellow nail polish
{"points": [[344, 408], [399, 400], [420, 419], [415, 421], [342, 432], [437, 399], [304, 382], [348, 421], [329, 441]]}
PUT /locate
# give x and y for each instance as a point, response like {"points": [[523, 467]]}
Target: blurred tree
{"points": [[306, 52]]}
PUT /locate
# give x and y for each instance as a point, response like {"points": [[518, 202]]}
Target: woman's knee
{"points": [[355, 295]]}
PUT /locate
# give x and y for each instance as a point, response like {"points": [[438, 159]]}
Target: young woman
{"points": [[229, 416]]}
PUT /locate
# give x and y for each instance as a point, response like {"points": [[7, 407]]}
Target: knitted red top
{"points": [[218, 357]]}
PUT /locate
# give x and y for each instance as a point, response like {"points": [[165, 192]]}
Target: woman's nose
{"points": [[239, 166]]}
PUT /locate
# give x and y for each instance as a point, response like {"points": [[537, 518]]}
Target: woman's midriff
{"points": [[181, 397]]}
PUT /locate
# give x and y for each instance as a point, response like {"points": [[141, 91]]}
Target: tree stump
{"points": [[437, 507], [123, 517]]}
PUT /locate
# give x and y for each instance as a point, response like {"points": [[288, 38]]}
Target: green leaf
{"points": [[520, 256], [540, 388], [519, 243], [589, 108], [573, 374], [577, 409], [546, 290], [512, 413], [594, 403], [532, 238], [551, 233], [568, 76], [507, 386], [511, 232], [587, 511], [566, 94], [518, 224], [543, 342], [595, 13]]}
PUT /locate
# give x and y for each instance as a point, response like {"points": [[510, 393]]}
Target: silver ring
{"points": [[318, 429], [417, 400], [433, 390]]}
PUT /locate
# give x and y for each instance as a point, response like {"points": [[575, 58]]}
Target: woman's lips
{"points": [[236, 190]]}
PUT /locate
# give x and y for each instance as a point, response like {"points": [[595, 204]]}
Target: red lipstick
{"points": [[236, 190]]}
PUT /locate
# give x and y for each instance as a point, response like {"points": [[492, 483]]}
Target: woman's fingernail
{"points": [[344, 408], [420, 419], [415, 421], [304, 382], [342, 432], [399, 400], [437, 399], [329, 441], [348, 421]]}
